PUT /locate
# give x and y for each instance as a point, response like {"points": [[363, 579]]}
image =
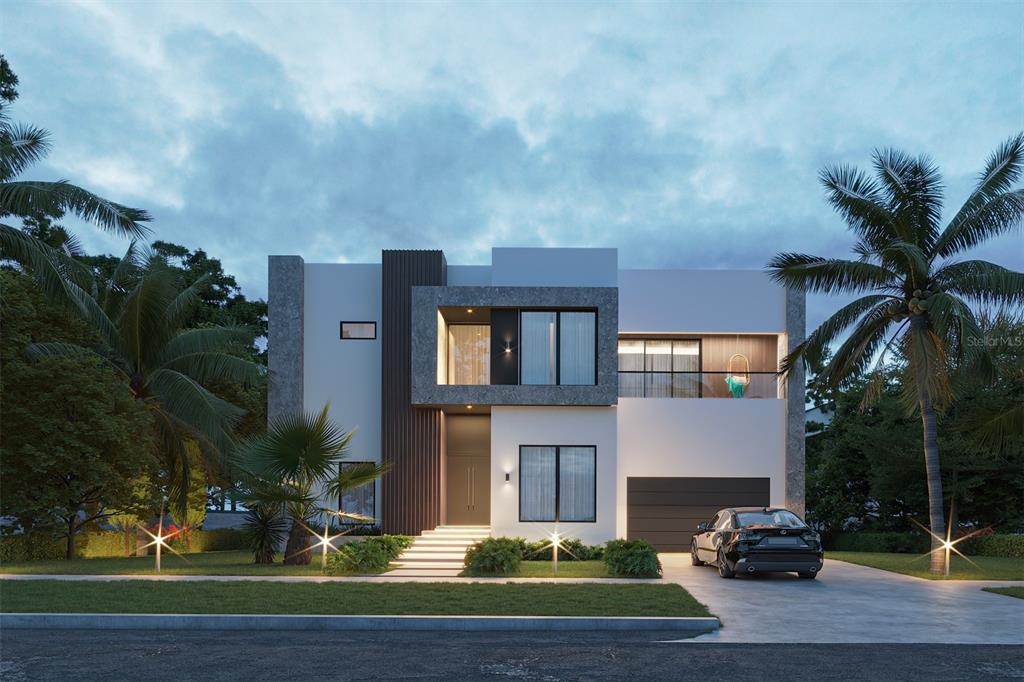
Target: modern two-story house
{"points": [[549, 388]]}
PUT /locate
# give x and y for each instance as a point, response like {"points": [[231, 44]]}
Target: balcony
{"points": [[701, 366]]}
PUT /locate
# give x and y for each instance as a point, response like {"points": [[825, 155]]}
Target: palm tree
{"points": [[295, 463], [20, 147], [138, 316], [915, 294]]}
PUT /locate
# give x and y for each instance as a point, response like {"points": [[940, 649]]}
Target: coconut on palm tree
{"points": [[295, 464], [916, 292], [138, 316]]}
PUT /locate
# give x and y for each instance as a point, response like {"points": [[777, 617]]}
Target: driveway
{"points": [[850, 603]]}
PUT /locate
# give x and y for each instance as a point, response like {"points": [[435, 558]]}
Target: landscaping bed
{"points": [[982, 568], [254, 597]]}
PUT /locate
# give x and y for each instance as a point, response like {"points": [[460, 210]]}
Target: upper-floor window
{"points": [[558, 347], [469, 354], [358, 330], [704, 366]]}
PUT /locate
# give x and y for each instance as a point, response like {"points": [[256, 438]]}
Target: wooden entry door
{"points": [[469, 490]]}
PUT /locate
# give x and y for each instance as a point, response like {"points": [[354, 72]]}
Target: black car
{"points": [[757, 540]]}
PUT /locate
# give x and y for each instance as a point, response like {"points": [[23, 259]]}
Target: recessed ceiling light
{"points": [[469, 310], [469, 407]]}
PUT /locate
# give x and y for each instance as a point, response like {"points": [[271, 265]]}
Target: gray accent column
{"points": [[796, 322], [285, 323]]}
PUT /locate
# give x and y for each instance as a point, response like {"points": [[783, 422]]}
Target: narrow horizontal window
{"points": [[359, 330]]}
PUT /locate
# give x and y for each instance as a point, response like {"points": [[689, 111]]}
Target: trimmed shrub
{"points": [[631, 559], [494, 556], [108, 543], [30, 547], [996, 544], [372, 555], [901, 543]]}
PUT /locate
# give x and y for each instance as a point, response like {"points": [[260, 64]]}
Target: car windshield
{"points": [[786, 519]]}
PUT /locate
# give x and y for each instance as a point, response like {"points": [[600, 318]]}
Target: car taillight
{"points": [[810, 537], [749, 536]]}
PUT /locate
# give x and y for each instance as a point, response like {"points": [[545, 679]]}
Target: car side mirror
{"points": [[702, 527]]}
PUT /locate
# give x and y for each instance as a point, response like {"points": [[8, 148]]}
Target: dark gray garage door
{"points": [[665, 511]]}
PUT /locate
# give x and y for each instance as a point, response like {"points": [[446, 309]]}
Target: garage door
{"points": [[665, 511]]}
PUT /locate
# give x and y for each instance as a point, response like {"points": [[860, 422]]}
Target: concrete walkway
{"points": [[850, 603]]}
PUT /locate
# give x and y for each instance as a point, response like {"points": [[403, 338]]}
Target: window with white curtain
{"points": [[558, 348], [469, 354], [539, 337], [577, 348], [558, 483]]}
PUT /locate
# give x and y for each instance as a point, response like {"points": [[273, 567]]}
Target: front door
{"points": [[469, 490]]}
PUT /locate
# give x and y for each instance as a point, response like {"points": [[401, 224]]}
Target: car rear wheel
{"points": [[723, 566], [693, 555], [808, 575]]}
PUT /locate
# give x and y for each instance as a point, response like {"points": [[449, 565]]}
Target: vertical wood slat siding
{"points": [[410, 437]]}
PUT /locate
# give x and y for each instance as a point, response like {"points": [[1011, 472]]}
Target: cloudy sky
{"points": [[685, 134]]}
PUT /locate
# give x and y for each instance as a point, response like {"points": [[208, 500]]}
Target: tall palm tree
{"points": [[20, 147], [915, 294], [295, 464], [138, 316]]}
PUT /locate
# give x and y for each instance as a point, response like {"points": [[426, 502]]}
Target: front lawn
{"points": [[484, 599], [1017, 592], [206, 563], [982, 568]]}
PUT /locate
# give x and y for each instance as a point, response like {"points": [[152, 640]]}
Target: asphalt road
{"points": [[223, 656]]}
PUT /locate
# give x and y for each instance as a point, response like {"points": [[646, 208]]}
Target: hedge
{"points": [[372, 555], [40, 546], [996, 544]]}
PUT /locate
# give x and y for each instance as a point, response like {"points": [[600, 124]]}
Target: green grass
{"points": [[491, 599], [982, 568], [1017, 592], [206, 563]]}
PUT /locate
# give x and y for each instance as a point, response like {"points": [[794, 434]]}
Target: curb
{"points": [[148, 621]]}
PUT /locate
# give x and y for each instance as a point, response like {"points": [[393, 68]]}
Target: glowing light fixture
{"points": [[469, 407], [159, 539], [469, 310]]}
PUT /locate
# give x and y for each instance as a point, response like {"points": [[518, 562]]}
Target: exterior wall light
{"points": [[508, 477]]}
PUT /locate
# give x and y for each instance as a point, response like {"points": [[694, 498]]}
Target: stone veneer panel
{"points": [[285, 319], [796, 313], [426, 301]]}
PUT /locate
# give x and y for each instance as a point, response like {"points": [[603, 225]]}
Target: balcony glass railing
{"points": [[698, 385]]}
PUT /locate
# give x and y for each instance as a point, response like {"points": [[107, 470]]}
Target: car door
{"points": [[705, 548]]}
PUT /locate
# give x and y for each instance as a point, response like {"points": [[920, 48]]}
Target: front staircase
{"points": [[438, 553]]}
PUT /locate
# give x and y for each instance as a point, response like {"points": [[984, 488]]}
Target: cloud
{"points": [[686, 135]]}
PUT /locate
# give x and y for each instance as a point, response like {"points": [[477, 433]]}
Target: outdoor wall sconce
{"points": [[508, 477]]}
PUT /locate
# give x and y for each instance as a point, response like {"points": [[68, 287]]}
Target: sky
{"points": [[684, 134]]}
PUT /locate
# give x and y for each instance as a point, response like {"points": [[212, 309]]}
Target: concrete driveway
{"points": [[850, 603]]}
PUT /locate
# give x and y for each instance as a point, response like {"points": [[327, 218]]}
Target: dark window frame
{"points": [[341, 330], [558, 481], [558, 343]]}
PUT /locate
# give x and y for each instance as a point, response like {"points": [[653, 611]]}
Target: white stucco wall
{"points": [[703, 438], [526, 267], [344, 372], [700, 301], [515, 426]]}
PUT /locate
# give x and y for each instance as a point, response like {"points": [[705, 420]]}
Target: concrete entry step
{"points": [[438, 552]]}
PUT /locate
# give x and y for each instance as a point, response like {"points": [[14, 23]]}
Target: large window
{"points": [[361, 500], [558, 348], [558, 483], [469, 354], [658, 368]]}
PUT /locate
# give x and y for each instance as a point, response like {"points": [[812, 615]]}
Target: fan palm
{"points": [[915, 293], [20, 147], [295, 463], [138, 316]]}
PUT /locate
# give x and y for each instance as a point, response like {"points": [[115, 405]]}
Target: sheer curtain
{"points": [[537, 483], [537, 347], [576, 479], [576, 346], [469, 354]]}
